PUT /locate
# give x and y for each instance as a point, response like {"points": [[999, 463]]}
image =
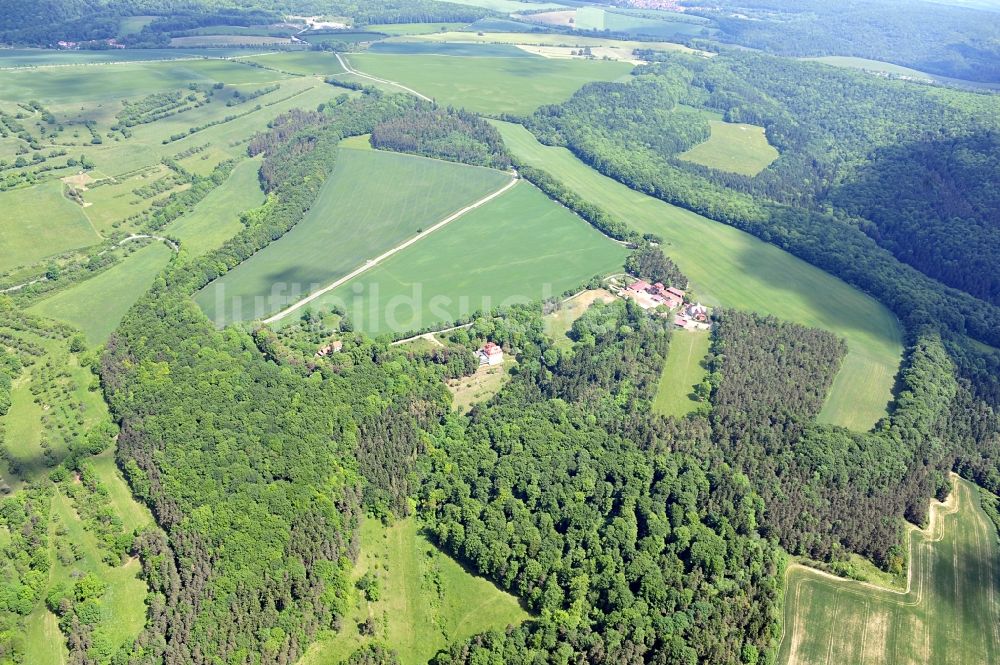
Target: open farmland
{"points": [[737, 148], [99, 303], [510, 5], [39, 222], [732, 268], [489, 84], [419, 619], [355, 218], [665, 26], [519, 247], [950, 612], [683, 370], [546, 39], [217, 217]]}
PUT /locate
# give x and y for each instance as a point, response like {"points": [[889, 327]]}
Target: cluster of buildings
{"points": [[690, 316]]}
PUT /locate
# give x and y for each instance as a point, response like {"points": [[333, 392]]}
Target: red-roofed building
{"points": [[490, 354], [677, 293], [640, 286]]}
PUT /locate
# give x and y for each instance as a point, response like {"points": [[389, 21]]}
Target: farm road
{"points": [[350, 70], [371, 263]]}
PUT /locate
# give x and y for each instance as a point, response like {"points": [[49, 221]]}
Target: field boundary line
{"points": [[371, 263], [350, 70], [948, 507]]}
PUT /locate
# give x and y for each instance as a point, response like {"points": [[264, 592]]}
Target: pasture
{"points": [[426, 599], [40, 221], [949, 613], [732, 147], [682, 372], [355, 218], [216, 218], [96, 305], [518, 248], [490, 85], [728, 267]]}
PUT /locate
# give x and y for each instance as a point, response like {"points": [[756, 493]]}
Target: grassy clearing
{"points": [[950, 614], [414, 616], [490, 85], [559, 322], [216, 218], [682, 372], [484, 384], [355, 218], [519, 247], [97, 305], [737, 148], [39, 222], [730, 268], [134, 515]]}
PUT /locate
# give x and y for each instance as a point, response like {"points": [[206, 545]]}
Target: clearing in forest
{"points": [[733, 147], [426, 600], [728, 267], [97, 305], [559, 322], [489, 84], [39, 222], [950, 612], [520, 247], [683, 371], [355, 218], [216, 218]]}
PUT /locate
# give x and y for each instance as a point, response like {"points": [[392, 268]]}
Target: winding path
{"points": [[371, 263], [350, 70], [139, 236]]}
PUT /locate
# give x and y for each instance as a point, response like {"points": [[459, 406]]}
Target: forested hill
{"points": [[838, 190], [45, 22], [956, 42]]}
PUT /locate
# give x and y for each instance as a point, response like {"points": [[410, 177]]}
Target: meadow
{"points": [[879, 66], [520, 247], [516, 85], [96, 305], [426, 599], [470, 50], [596, 18], [682, 372], [355, 218], [949, 613], [559, 322], [40, 222], [216, 218], [728, 267], [737, 148], [545, 39]]}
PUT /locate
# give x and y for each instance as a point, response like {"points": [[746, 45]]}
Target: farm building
{"points": [[333, 347], [490, 354], [653, 295]]}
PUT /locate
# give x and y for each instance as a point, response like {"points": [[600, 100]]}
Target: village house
{"points": [[649, 295], [333, 347], [490, 354]]}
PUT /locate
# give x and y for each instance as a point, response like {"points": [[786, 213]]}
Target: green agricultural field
{"points": [[510, 6], [418, 617], [468, 50], [737, 148], [98, 304], [490, 85], [39, 222], [520, 247], [306, 63], [204, 41], [216, 218], [682, 372], [414, 28], [545, 39], [354, 219], [732, 268], [595, 18], [950, 612]]}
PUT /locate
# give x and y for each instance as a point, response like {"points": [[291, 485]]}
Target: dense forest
{"points": [[457, 136], [952, 41], [563, 490]]}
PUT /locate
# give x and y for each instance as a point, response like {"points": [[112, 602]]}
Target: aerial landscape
{"points": [[476, 332]]}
